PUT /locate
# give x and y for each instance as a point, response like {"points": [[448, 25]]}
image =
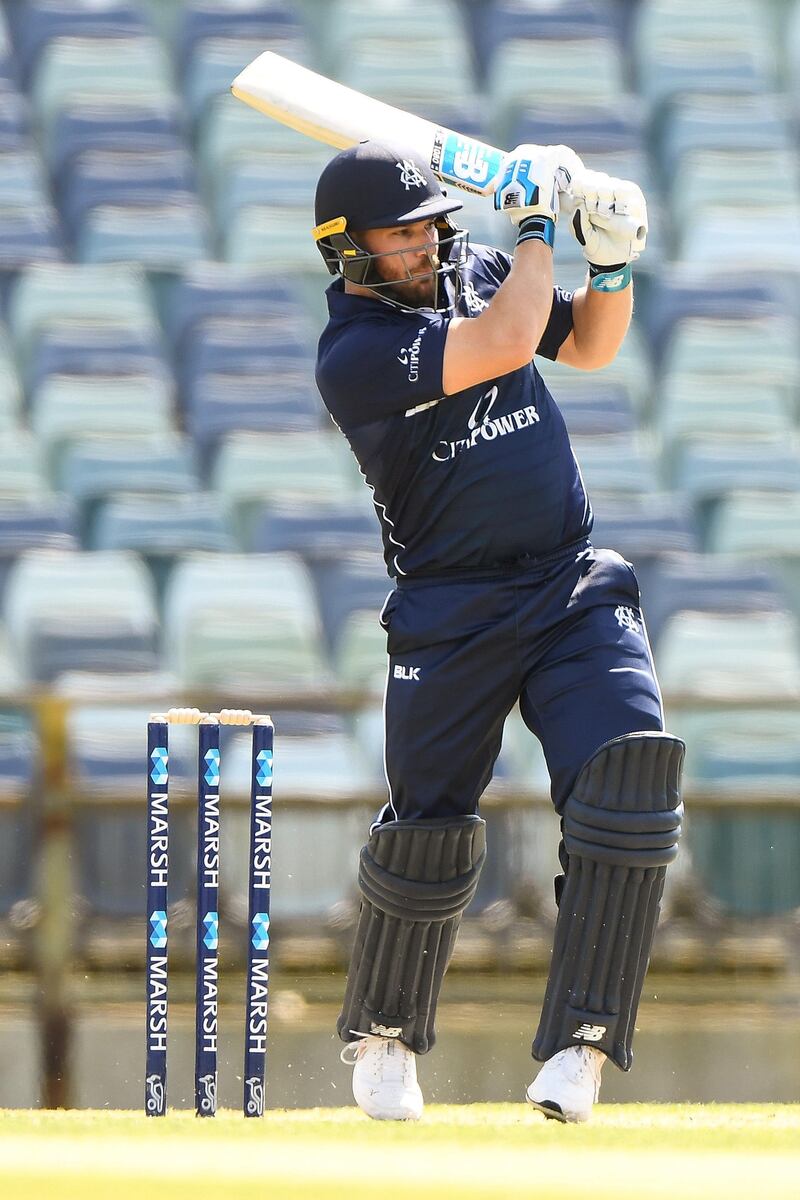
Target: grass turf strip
{"points": [[474, 1152]]}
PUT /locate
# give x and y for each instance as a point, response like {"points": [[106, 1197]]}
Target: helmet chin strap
{"points": [[383, 289]]}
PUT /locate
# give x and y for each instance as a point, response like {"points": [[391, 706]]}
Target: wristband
{"points": [[539, 229], [610, 279]]}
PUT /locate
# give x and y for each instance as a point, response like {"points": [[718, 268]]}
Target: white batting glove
{"points": [[610, 219], [531, 180]]}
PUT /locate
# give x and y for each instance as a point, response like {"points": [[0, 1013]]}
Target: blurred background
{"points": [[181, 523]]}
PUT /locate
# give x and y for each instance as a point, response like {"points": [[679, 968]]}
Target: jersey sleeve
{"points": [[559, 325], [378, 367]]}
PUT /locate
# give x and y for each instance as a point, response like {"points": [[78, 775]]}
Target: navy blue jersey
{"points": [[464, 483]]}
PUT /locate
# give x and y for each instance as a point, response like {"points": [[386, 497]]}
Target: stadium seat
{"points": [[353, 22], [80, 612], [590, 129], [246, 346], [706, 469], [698, 121], [617, 464], [208, 290], [30, 522], [34, 23], [71, 406], [275, 237], [631, 368], [590, 408], [96, 177], [325, 534], [354, 582], [282, 399], [759, 350], [75, 69], [359, 653], [772, 249], [29, 235], [714, 657], [75, 348], [97, 466], [578, 70], [216, 61], [266, 23], [244, 621], [713, 178], [762, 527], [700, 406], [263, 179], [161, 527], [10, 390], [646, 528], [113, 296], [14, 122], [22, 466], [162, 237], [251, 468], [230, 130], [22, 180], [705, 584], [113, 124]]}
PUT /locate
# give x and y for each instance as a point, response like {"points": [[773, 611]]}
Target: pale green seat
{"points": [[231, 130], [111, 295], [22, 466], [23, 181], [572, 70], [343, 26], [718, 657], [757, 524], [772, 245], [94, 601], [10, 388], [707, 468], [253, 468], [163, 237], [276, 237], [440, 71], [72, 69], [264, 178], [722, 178], [699, 121], [215, 63], [244, 621], [750, 353], [359, 655], [617, 464], [700, 405], [72, 406]]}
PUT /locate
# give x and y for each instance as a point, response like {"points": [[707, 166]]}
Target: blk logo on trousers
{"points": [[407, 673]]}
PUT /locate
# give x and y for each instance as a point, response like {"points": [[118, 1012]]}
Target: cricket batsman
{"points": [[427, 367]]}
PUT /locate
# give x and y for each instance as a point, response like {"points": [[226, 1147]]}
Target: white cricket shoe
{"points": [[384, 1078], [568, 1084]]}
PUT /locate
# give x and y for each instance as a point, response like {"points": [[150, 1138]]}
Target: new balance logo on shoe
{"points": [[392, 1031], [407, 673], [590, 1033]]}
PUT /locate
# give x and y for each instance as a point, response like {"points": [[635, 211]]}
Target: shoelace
{"points": [[391, 1066], [351, 1053]]}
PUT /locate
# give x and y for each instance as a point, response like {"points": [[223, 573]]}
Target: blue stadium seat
{"points": [[244, 345], [221, 290], [319, 535], [709, 585], [92, 349], [593, 407], [282, 400], [140, 124], [34, 522], [160, 236], [706, 469], [272, 23], [597, 129], [351, 583], [15, 122], [506, 20], [29, 235], [124, 177], [695, 121], [22, 180], [162, 526], [98, 466], [674, 294], [218, 60], [35, 22]]}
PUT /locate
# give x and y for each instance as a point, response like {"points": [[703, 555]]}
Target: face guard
{"points": [[376, 186], [343, 256]]}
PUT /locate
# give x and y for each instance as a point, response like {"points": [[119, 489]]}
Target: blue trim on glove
{"points": [[610, 279], [537, 229]]}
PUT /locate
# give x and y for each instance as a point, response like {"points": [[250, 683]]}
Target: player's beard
{"points": [[418, 292]]}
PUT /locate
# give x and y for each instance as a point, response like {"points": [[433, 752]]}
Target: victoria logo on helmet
{"points": [[410, 174]]}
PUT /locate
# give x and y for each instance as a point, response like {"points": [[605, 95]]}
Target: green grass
{"points": [[486, 1151]]}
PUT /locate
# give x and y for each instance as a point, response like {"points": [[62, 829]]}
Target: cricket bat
{"points": [[341, 117]]}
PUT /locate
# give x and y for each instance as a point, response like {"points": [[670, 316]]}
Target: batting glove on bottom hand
{"points": [[531, 180], [610, 219]]}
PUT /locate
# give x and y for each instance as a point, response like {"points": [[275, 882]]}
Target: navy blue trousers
{"points": [[563, 635]]}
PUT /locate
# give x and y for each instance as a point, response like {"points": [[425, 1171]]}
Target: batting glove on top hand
{"points": [[610, 219], [531, 181]]}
